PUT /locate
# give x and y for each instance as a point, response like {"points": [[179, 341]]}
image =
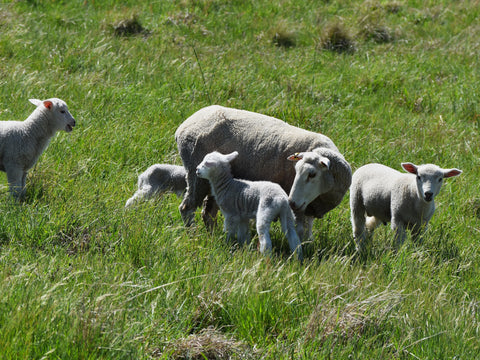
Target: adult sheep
{"points": [[22, 142], [264, 143]]}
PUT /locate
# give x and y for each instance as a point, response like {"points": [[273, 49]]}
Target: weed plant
{"points": [[81, 278]]}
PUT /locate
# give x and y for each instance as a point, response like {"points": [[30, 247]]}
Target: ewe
{"points": [[264, 144], [384, 194], [157, 179], [22, 142], [242, 200]]}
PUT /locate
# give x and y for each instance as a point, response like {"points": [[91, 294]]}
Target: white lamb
{"points": [[384, 194], [22, 142], [157, 179], [242, 200]]}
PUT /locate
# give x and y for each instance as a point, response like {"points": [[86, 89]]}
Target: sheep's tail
{"points": [[287, 220]]}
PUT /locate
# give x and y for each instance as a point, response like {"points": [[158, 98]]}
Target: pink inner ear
{"points": [[452, 173], [295, 157], [410, 168], [48, 104]]}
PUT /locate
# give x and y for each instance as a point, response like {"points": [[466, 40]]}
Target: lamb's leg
{"points": [[243, 233], [16, 181], [358, 226], [209, 212], [288, 227], [399, 229], [230, 228], [263, 230]]}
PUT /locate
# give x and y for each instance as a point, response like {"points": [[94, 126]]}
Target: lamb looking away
{"points": [[264, 143], [242, 200], [384, 194], [22, 142], [157, 179]]}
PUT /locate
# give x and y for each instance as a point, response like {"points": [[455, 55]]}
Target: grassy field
{"points": [[388, 81]]}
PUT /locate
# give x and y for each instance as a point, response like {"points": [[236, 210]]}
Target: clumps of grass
{"points": [[377, 33], [336, 38], [129, 27], [284, 36], [343, 321], [209, 344]]}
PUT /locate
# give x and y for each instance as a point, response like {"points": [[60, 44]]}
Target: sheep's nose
{"points": [[429, 196]]}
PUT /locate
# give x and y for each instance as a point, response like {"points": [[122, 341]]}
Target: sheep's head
{"points": [[312, 178], [429, 178], [57, 112], [213, 163]]}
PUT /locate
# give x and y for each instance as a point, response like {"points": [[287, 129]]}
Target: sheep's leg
{"points": [[209, 212], [196, 192], [16, 181], [304, 225]]}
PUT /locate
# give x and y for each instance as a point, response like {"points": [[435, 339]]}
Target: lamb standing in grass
{"points": [[264, 144], [157, 179], [242, 200], [384, 194], [22, 142]]}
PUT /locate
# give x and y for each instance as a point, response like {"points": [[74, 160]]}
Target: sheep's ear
{"points": [[324, 163], [232, 156], [48, 104], [411, 168], [35, 102], [451, 173], [295, 157]]}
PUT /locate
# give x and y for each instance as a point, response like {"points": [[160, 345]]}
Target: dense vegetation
{"points": [[388, 81]]}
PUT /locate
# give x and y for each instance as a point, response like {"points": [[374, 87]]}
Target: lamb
{"points": [[264, 144], [384, 194], [22, 142], [242, 200], [157, 179]]}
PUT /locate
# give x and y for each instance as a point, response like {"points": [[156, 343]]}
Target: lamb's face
{"points": [[312, 178], [57, 111], [214, 163], [429, 179]]}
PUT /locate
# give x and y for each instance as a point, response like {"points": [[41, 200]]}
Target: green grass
{"points": [[80, 278]]}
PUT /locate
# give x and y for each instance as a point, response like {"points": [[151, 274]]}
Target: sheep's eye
{"points": [[62, 111], [311, 175], [440, 180], [418, 178]]}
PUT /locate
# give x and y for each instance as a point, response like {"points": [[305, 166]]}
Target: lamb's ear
{"points": [[324, 163], [295, 157], [451, 172], [411, 168], [232, 156], [48, 104], [35, 102]]}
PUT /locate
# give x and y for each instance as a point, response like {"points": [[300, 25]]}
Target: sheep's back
{"points": [[263, 143]]}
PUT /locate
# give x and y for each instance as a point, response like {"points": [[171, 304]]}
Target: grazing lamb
{"points": [[384, 194], [22, 142], [264, 144], [157, 179], [242, 200]]}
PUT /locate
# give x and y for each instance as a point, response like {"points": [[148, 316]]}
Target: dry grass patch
{"points": [[209, 344]]}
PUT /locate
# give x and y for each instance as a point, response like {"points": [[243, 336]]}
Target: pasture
{"points": [[387, 81]]}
